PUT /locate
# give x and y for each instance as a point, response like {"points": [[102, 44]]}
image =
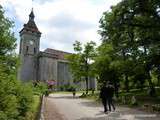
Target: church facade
{"points": [[49, 64]]}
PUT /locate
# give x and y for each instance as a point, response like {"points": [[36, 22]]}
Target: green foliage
{"points": [[75, 66], [33, 114], [7, 39], [106, 66], [25, 98], [81, 62], [132, 30], [15, 97], [68, 87], [40, 88]]}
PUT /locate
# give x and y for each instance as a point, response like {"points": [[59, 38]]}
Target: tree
{"points": [[74, 62], [132, 28], [107, 68], [15, 98], [80, 63], [7, 42]]}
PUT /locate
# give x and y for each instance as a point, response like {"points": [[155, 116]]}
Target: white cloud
{"points": [[62, 21]]}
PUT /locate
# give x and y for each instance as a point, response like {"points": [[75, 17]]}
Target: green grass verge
{"points": [[78, 92], [33, 114]]}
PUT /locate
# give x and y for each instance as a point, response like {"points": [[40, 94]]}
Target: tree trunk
{"points": [[86, 84], [152, 91], [158, 77], [125, 75], [141, 86], [126, 83], [158, 82], [116, 86], [87, 74]]}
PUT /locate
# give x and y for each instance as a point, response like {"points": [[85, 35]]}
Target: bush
{"points": [[8, 100], [40, 88], [67, 87], [25, 98], [33, 114], [15, 97]]}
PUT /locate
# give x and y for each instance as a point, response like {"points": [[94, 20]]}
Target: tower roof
{"points": [[31, 25], [31, 15]]}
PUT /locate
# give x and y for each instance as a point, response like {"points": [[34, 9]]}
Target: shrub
{"points": [[8, 100], [40, 88], [67, 87], [15, 97], [25, 98]]}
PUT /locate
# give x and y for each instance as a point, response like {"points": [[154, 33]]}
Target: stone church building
{"points": [[49, 64]]}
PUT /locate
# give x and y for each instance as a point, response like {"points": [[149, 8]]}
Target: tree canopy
{"points": [[132, 29], [15, 98], [81, 62]]}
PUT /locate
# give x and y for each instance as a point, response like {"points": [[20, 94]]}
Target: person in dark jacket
{"points": [[106, 94], [74, 92], [110, 90], [103, 96]]}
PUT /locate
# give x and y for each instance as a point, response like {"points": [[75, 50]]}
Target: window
{"points": [[34, 50], [27, 48]]}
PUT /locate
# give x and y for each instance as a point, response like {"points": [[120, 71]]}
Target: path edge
{"points": [[42, 108]]}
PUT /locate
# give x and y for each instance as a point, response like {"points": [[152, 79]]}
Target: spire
{"points": [[31, 26], [31, 15]]}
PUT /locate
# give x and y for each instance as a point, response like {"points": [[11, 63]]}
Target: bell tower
{"points": [[29, 49]]}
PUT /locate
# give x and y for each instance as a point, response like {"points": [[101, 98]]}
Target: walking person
{"points": [[110, 90], [74, 92], [104, 97]]}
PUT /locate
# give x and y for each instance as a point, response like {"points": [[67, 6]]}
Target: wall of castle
{"points": [[47, 69], [58, 70], [27, 70], [91, 84], [29, 48], [26, 47], [63, 74]]}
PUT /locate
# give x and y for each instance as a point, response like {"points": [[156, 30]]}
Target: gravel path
{"points": [[65, 107]]}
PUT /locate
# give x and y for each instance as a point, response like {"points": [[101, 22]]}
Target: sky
{"points": [[61, 22]]}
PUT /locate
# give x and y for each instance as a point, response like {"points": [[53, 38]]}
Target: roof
{"points": [[31, 26], [60, 54]]}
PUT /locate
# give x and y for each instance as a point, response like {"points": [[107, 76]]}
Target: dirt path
{"points": [[65, 107], [51, 111]]}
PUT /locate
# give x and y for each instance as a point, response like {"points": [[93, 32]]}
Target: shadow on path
{"points": [[110, 116], [90, 103], [119, 116]]}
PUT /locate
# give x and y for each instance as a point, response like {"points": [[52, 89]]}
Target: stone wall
{"points": [[27, 70], [52, 68], [63, 75], [28, 56], [47, 69]]}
